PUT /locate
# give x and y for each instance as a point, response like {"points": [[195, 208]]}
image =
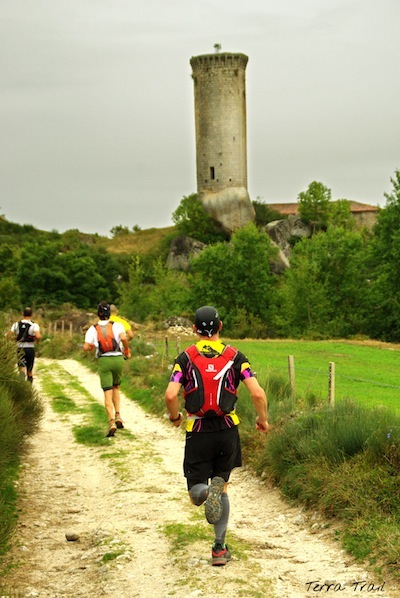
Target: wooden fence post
{"points": [[292, 377], [166, 346], [70, 330], [331, 390], [178, 344]]}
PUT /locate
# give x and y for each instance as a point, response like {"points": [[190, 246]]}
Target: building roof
{"points": [[289, 209]]}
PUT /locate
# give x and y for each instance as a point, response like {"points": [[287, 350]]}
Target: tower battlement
{"points": [[221, 60]]}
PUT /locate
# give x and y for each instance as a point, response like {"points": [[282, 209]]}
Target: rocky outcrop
{"points": [[231, 207], [182, 250], [282, 231], [280, 263]]}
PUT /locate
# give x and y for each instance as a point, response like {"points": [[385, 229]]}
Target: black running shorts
{"points": [[26, 358], [209, 454]]}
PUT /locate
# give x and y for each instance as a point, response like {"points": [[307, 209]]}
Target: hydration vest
{"points": [[106, 338], [23, 335], [210, 395]]}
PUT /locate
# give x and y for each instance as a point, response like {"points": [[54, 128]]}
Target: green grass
{"points": [[61, 385], [367, 374], [111, 556]]}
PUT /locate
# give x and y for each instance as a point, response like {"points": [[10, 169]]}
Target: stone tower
{"points": [[221, 144]]}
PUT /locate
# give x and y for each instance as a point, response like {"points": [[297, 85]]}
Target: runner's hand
{"points": [[262, 425], [177, 422]]}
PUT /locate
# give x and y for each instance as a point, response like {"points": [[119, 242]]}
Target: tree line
{"points": [[343, 282]]}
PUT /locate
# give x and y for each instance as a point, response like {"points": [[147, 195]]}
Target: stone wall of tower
{"points": [[220, 121]]}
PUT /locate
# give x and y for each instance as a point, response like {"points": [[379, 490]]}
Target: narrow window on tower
{"points": [[212, 173]]}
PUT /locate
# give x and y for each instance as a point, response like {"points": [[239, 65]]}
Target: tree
{"points": [[384, 287], [340, 215], [236, 276], [119, 230], [192, 220], [40, 280], [86, 284], [159, 294], [264, 213], [325, 290], [314, 205], [10, 293], [170, 293], [48, 274]]}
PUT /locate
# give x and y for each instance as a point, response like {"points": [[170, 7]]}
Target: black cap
{"points": [[103, 310], [207, 321]]}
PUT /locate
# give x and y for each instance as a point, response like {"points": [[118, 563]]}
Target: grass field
{"points": [[366, 371], [370, 374]]}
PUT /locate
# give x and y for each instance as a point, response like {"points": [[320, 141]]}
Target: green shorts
{"points": [[110, 371]]}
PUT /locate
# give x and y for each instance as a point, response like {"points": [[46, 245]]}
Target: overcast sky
{"points": [[97, 104]]}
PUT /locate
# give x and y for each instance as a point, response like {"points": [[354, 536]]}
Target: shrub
{"points": [[343, 461], [20, 412]]}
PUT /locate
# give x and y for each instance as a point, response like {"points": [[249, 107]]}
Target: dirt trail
{"points": [[117, 501]]}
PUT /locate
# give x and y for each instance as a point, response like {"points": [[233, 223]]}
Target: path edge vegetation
{"points": [[341, 462]]}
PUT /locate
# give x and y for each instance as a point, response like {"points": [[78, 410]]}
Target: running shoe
{"points": [[112, 430], [220, 555], [213, 503], [118, 421]]}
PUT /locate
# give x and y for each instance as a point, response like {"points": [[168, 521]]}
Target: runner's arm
{"points": [[259, 399], [125, 344], [38, 336], [90, 336], [13, 332], [172, 403]]}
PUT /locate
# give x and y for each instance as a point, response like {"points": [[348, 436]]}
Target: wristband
{"points": [[176, 419]]}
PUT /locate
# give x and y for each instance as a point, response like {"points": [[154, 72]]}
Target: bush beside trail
{"points": [[20, 412], [344, 462]]}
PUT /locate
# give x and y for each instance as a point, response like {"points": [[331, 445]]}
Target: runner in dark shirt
{"points": [[212, 447]]}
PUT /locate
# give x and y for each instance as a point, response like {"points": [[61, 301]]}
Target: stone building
{"points": [[365, 215], [221, 142]]}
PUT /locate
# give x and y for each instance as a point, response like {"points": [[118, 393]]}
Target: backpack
{"points": [[210, 396], [23, 335], [106, 338]]}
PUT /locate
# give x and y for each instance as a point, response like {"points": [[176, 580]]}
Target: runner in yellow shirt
{"points": [[114, 317]]}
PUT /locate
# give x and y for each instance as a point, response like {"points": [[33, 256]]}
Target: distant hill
{"points": [[141, 242]]}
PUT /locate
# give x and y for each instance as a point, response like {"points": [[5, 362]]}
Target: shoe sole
{"points": [[111, 432], [213, 505], [119, 424], [219, 562]]}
